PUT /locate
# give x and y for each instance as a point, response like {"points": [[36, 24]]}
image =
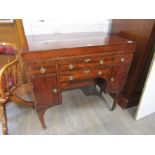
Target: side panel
{"points": [[118, 78], [45, 92]]}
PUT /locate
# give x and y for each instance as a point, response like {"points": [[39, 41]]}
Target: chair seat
{"points": [[24, 91]]}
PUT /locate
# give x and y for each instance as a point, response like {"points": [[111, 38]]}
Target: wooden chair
{"points": [[10, 81]]}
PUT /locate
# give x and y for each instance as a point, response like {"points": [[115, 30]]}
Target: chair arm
{"points": [[2, 70]]}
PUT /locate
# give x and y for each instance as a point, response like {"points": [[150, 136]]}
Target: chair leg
{"points": [[4, 119]]}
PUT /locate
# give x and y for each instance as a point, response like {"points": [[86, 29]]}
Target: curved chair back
{"points": [[10, 80], [10, 72]]}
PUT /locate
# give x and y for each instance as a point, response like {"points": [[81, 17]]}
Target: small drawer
{"points": [[41, 68], [85, 73], [124, 58], [41, 62]]}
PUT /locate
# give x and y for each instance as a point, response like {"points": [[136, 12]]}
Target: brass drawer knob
{"points": [[122, 59], [101, 62], [112, 79], [71, 66], [87, 60], [71, 78], [87, 71], [129, 41], [99, 73], [42, 70], [55, 91]]}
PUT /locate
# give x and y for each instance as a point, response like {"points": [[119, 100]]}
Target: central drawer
{"points": [[84, 73], [86, 61]]}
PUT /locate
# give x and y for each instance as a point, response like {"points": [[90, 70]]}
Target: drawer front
{"points": [[41, 68], [124, 58], [85, 73], [87, 61]]}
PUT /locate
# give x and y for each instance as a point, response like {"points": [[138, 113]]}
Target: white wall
{"points": [[49, 26], [147, 101]]}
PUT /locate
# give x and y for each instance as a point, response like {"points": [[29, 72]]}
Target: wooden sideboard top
{"points": [[71, 40], [74, 46]]}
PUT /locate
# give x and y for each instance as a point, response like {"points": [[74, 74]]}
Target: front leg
{"points": [[101, 84], [41, 117], [115, 97], [4, 119]]}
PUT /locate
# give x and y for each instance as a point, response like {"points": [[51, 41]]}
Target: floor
{"points": [[79, 115]]}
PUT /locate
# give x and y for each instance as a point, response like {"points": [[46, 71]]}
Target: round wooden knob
{"points": [[122, 59], [42, 70], [71, 66], [71, 78], [101, 62], [55, 91], [99, 73]]}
